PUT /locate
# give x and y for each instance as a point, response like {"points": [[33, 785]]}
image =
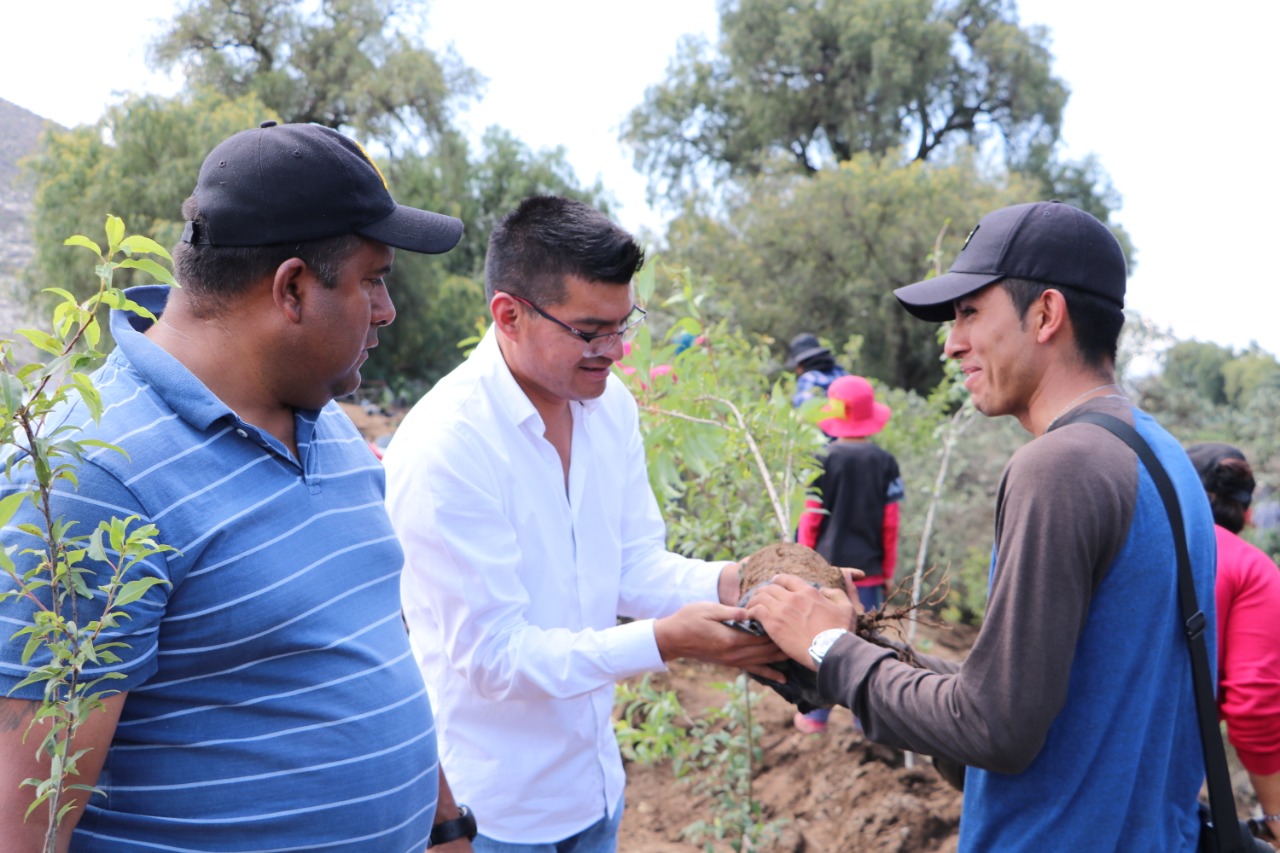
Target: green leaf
{"points": [[93, 332], [122, 303], [34, 642], [147, 265], [64, 317], [10, 504], [645, 282], [134, 590], [136, 243], [115, 232], [89, 394], [12, 390], [66, 295], [81, 240], [96, 550], [43, 340]]}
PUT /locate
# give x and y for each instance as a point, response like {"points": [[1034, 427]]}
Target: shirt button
{"points": [[242, 433]]}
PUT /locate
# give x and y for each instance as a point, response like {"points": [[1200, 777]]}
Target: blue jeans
{"points": [[600, 837], [872, 597]]}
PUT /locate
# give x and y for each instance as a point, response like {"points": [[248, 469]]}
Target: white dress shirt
{"points": [[512, 589]]}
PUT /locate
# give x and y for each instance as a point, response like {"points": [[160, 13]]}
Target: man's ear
{"points": [[289, 286], [506, 313], [1049, 315]]}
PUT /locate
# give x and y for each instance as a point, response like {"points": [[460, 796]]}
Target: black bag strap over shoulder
{"points": [[1222, 802]]}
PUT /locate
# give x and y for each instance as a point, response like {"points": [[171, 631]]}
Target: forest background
{"points": [[813, 157]]}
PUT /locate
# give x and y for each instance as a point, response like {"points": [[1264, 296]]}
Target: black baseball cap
{"points": [[288, 183], [1046, 241]]}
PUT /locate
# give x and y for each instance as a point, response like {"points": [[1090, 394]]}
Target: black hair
{"points": [[547, 238], [1229, 476], [210, 274], [1096, 321]]}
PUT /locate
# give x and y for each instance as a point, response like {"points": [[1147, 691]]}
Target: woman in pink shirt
{"points": [[1248, 602]]}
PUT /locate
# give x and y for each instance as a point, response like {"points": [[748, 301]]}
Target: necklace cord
{"points": [[1080, 398]]}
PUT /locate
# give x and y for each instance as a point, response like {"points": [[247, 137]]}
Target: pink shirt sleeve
{"points": [[1247, 594]]}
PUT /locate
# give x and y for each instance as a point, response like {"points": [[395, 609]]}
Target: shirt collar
{"points": [[168, 377], [506, 391]]}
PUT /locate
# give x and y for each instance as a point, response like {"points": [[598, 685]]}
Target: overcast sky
{"points": [[1173, 100]]}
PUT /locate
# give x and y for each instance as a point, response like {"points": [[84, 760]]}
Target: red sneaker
{"points": [[808, 726]]}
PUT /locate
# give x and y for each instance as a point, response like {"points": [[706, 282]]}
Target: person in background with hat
{"points": [[519, 488], [269, 700], [852, 519], [1248, 600], [814, 366], [1075, 709]]}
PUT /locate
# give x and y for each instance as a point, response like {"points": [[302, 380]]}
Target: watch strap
{"points": [[462, 826]]}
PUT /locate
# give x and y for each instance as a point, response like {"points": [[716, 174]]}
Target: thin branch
{"points": [[779, 510]]}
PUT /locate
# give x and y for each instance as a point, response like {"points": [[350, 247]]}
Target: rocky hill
{"points": [[20, 132]]}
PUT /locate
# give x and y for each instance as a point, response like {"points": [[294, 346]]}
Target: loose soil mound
{"points": [[792, 559]]}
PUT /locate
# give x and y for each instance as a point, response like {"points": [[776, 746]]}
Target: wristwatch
{"points": [[451, 830], [822, 644]]}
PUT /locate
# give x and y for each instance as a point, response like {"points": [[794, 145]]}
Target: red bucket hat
{"points": [[855, 412]]}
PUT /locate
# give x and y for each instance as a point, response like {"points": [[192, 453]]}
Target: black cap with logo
{"points": [[1046, 241]]}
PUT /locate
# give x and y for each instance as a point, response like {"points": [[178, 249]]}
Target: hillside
{"points": [[20, 131]]}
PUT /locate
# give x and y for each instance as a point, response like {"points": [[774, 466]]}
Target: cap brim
{"points": [[416, 230], [799, 358], [931, 299]]}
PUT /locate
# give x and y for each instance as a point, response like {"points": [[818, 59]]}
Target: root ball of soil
{"points": [[789, 558]]}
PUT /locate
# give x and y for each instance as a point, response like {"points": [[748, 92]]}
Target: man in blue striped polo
{"points": [[269, 698]]}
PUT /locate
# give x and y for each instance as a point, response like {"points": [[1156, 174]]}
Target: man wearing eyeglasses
{"points": [[519, 491]]}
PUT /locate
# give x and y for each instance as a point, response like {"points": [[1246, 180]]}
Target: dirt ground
{"points": [[836, 791], [373, 423]]}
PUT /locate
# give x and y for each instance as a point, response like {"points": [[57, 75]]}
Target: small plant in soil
{"points": [[717, 753]]}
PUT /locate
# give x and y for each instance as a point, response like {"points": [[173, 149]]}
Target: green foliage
{"points": [[62, 642], [717, 752], [341, 63], [968, 600], [140, 160], [823, 255], [1198, 366], [728, 456], [1249, 425], [439, 299], [1207, 392], [1248, 375], [802, 86]]}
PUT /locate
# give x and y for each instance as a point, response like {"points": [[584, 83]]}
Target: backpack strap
{"points": [[1222, 802]]}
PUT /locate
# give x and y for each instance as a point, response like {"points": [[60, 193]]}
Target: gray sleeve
{"points": [[1066, 502]]}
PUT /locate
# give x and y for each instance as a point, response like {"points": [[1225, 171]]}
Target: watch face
{"points": [[823, 642]]}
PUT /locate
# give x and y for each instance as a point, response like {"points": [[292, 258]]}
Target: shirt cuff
{"points": [[633, 649]]}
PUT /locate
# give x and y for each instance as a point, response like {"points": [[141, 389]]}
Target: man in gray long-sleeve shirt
{"points": [[1075, 708]]}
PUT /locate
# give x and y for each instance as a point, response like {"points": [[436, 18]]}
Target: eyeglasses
{"points": [[597, 343]]}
